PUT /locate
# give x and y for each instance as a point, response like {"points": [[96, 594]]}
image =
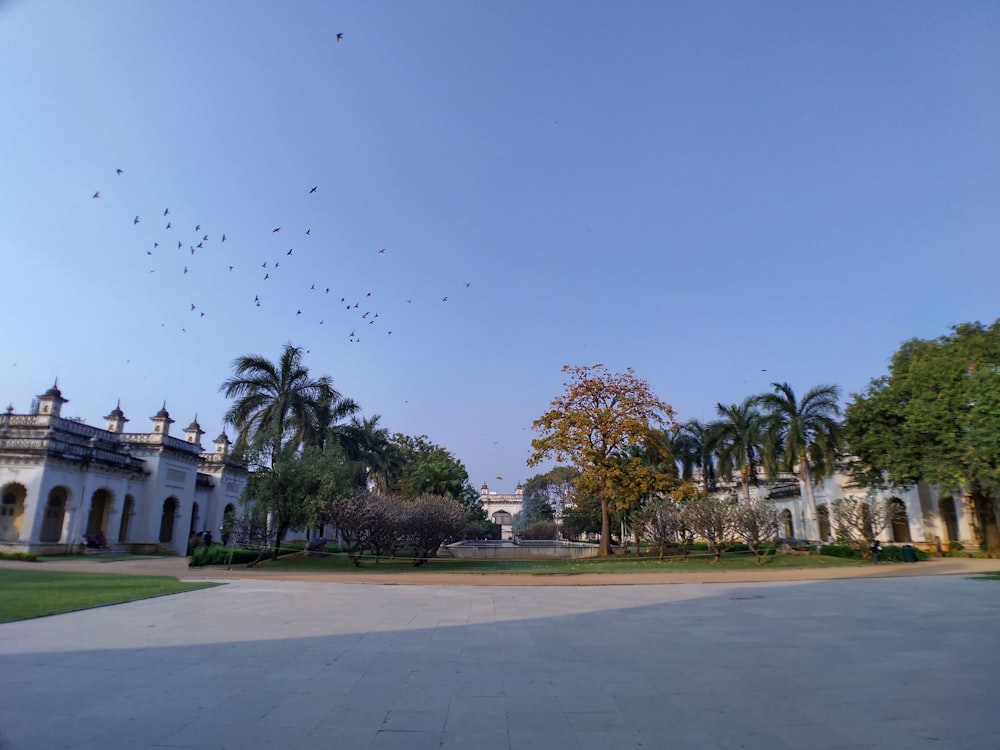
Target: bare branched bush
{"points": [[430, 521], [858, 521], [712, 519], [755, 521], [542, 530]]}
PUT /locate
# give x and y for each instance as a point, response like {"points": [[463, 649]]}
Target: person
{"points": [[208, 538], [876, 548]]}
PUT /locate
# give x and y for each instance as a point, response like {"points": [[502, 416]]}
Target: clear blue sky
{"points": [[700, 191]]}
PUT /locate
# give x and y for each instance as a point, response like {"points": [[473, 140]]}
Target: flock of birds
{"points": [[193, 246]]}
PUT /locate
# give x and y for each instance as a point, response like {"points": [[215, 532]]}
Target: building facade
{"points": [[501, 508], [62, 481]]}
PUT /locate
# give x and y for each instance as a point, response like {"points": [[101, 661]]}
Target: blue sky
{"points": [[699, 191]]}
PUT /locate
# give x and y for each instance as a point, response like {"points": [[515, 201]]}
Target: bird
{"points": [[298, 312], [352, 335], [118, 171], [223, 237], [390, 333], [197, 228], [314, 190], [264, 264], [192, 249], [205, 238], [343, 298], [289, 251], [203, 315], [500, 478], [356, 305], [371, 322], [339, 36], [312, 287], [276, 229], [267, 276], [231, 268], [199, 245], [149, 252], [96, 195], [308, 231], [468, 284], [369, 294], [168, 225], [276, 264], [321, 322], [192, 306], [185, 269], [444, 299], [179, 244], [135, 220], [258, 304], [380, 252], [327, 290], [364, 316], [156, 245], [166, 211]]}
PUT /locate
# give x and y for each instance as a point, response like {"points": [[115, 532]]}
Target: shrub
{"points": [[542, 530], [840, 550], [27, 556], [218, 554]]}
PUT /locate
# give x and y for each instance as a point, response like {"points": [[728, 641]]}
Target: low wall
{"points": [[527, 550]]}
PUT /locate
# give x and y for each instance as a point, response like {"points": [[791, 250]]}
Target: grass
{"points": [[622, 564], [995, 576], [36, 593]]}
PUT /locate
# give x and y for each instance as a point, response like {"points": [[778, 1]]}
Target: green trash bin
{"points": [[908, 554]]}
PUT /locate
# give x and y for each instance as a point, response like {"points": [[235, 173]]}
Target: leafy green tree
{"points": [[546, 495], [935, 417], [276, 402], [692, 447], [593, 425], [737, 439], [803, 436]]}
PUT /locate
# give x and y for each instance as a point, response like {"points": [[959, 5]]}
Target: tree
{"points": [[737, 440], [429, 522], [713, 519], [802, 435], [548, 495], [276, 402], [691, 444], [935, 417], [860, 521], [595, 422], [755, 521]]}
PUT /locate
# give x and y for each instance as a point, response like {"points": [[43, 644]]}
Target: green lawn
{"points": [[621, 564], [35, 593]]}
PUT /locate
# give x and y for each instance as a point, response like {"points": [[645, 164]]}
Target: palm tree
{"points": [[692, 447], [362, 440], [802, 435], [276, 402], [737, 441]]}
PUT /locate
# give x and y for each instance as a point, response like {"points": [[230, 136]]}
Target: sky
{"points": [[718, 195]]}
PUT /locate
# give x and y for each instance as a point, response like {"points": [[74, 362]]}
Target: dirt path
{"points": [[178, 567]]}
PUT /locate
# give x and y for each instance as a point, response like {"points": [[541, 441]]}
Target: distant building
{"points": [[501, 508], [62, 480]]}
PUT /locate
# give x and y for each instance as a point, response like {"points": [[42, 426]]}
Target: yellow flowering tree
{"points": [[602, 424]]}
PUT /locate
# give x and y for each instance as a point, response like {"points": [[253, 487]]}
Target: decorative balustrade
{"points": [[153, 438], [79, 451]]}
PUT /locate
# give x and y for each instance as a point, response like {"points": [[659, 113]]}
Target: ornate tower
{"points": [[162, 421], [193, 432], [50, 402], [116, 419]]}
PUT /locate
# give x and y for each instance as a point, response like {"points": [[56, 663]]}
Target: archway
{"points": [[100, 505], [949, 517], [11, 511], [128, 508], [167, 520], [786, 524], [900, 521], [55, 514], [823, 518], [503, 518]]}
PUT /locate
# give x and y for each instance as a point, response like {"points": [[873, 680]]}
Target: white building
{"points": [[501, 508], [924, 514], [61, 479]]}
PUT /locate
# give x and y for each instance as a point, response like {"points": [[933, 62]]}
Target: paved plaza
{"points": [[906, 662]]}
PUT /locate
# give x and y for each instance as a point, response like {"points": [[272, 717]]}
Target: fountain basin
{"points": [[523, 550]]}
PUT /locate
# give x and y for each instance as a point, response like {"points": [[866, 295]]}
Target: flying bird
{"points": [[197, 228], [264, 264], [205, 238], [312, 287], [468, 284], [118, 171], [276, 229], [192, 306], [289, 251], [185, 269], [179, 244], [327, 290], [149, 252], [298, 312], [231, 268], [339, 36], [380, 252], [199, 245], [135, 220], [444, 299], [223, 237], [156, 245], [168, 225], [166, 211], [267, 276], [314, 190], [96, 195], [308, 231]]}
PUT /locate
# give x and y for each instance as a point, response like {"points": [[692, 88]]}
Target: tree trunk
{"points": [[604, 549], [986, 517], [805, 475]]}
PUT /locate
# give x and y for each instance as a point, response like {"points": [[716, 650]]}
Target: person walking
{"points": [[876, 548]]}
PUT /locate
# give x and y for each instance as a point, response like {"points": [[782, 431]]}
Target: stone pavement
{"points": [[898, 662]]}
